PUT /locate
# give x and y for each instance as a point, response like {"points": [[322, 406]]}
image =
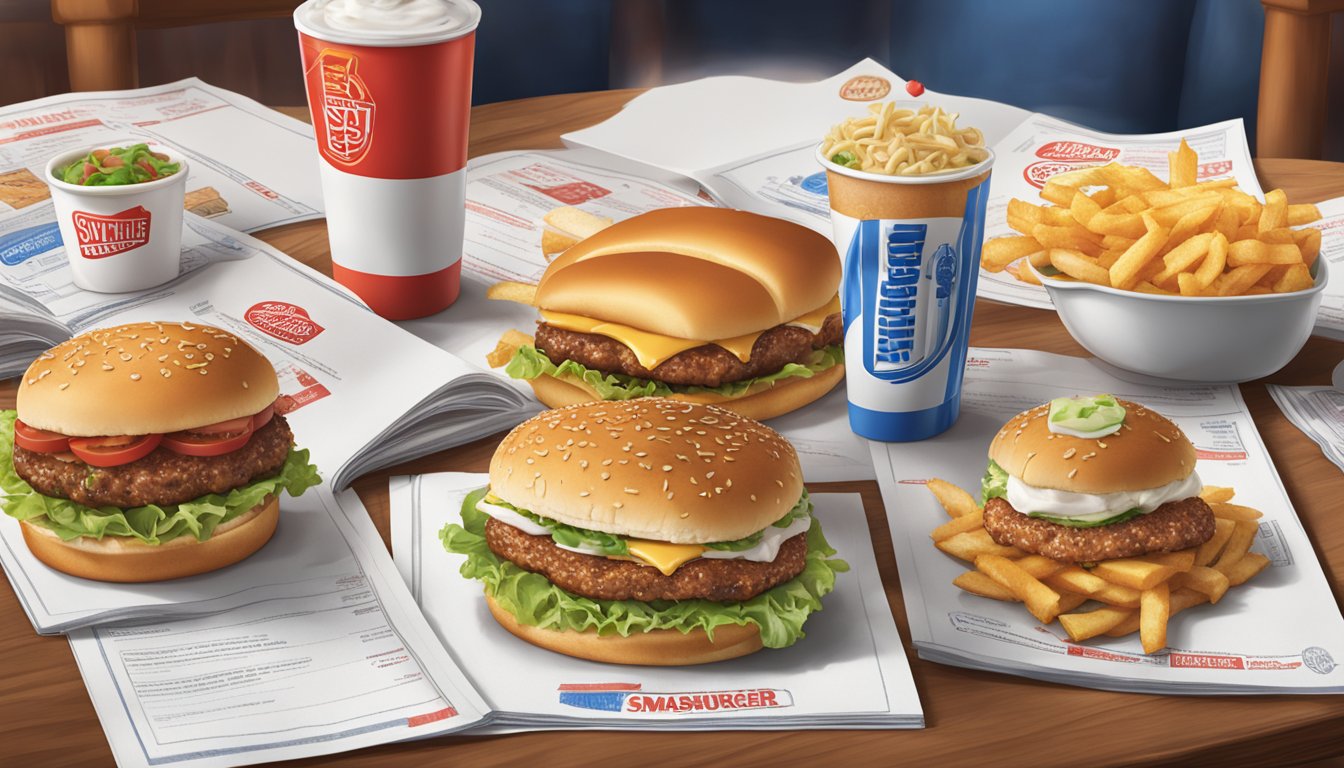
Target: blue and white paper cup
{"points": [[910, 247]]}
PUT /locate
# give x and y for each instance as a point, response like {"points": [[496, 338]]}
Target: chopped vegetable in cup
{"points": [[118, 165]]}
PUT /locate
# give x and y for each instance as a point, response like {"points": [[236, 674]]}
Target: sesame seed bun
{"points": [[125, 559], [776, 400], [1149, 451], [694, 273], [145, 378], [658, 648], [649, 468]]}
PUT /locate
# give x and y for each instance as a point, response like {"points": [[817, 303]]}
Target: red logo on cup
{"points": [[284, 321], [1040, 171], [1075, 151], [346, 127], [101, 236]]}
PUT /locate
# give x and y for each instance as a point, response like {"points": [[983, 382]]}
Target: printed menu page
{"points": [[220, 134], [324, 661], [1279, 632], [1330, 319], [1318, 412]]}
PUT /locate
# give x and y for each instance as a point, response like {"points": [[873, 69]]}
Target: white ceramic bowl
{"points": [[1189, 338]]}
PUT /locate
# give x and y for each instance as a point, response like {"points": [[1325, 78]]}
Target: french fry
{"points": [[1214, 262], [1227, 222], [1087, 625], [1021, 272], [1210, 582], [1072, 237], [1115, 594], [1144, 286], [1191, 224], [1184, 256], [954, 500], [1249, 565], [1183, 164], [1309, 241], [972, 544], [1235, 512], [958, 525], [1128, 225], [1275, 212], [1154, 612], [1239, 279], [1189, 284], [1237, 545], [1083, 177], [1079, 266], [978, 583], [1303, 213], [1125, 272], [1075, 579], [998, 253], [1209, 550], [1245, 252], [1295, 278], [1129, 626], [1168, 215], [1182, 561], [507, 347], [507, 290], [1057, 193], [1038, 566], [1186, 598], [1069, 601], [1041, 601], [1133, 573], [1083, 208], [1213, 494]]}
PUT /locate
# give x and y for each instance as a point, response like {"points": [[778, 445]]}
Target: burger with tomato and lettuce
{"points": [[148, 451]]}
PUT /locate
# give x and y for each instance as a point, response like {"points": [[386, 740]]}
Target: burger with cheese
{"points": [[649, 531], [700, 304], [148, 451], [1085, 479]]}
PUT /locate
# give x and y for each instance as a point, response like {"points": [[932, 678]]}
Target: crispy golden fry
{"points": [[1085, 626], [978, 583], [1146, 287], [1309, 240], [1211, 549], [1245, 252], [1184, 256], [1057, 193], [1275, 212], [1083, 177], [1239, 280], [1133, 573], [1125, 272], [1227, 222], [1019, 224], [1154, 612], [522, 293], [1249, 565], [506, 348], [1210, 582], [1041, 601], [1070, 600], [1121, 224], [1189, 284], [998, 253], [1191, 224], [1238, 544], [1075, 579], [1127, 627], [1295, 278], [1082, 208], [1235, 512], [972, 544], [1021, 272], [1072, 237], [1184, 598], [1079, 266], [1214, 262], [1182, 561], [1214, 494], [1039, 566], [954, 500], [1183, 165], [958, 525], [1303, 213], [1115, 594]]}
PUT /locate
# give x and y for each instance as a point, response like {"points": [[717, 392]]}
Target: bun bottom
{"points": [[126, 560], [779, 399], [657, 648]]}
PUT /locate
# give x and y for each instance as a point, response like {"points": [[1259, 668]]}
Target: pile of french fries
{"points": [[1121, 226], [1138, 594]]}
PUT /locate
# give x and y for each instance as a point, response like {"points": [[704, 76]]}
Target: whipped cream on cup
{"points": [[400, 22]]}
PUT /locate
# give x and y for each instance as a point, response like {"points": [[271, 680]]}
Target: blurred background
{"points": [[1132, 66]]}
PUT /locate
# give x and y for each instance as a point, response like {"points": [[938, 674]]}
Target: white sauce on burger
{"points": [[1091, 507]]}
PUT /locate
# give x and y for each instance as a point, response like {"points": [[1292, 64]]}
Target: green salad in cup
{"points": [[115, 166]]}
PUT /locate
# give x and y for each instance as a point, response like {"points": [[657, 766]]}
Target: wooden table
{"points": [[973, 717]]}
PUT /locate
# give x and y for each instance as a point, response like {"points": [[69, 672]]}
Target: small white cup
{"points": [[120, 238]]}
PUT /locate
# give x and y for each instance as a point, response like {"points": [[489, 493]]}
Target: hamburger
{"points": [[704, 305], [1086, 479], [649, 531], [148, 451]]}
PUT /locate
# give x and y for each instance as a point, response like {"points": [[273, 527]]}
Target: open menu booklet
{"points": [[850, 670], [1280, 632], [367, 395], [751, 143]]}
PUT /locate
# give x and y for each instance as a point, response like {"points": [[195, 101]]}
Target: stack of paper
{"points": [[849, 672], [1318, 412], [1281, 632]]}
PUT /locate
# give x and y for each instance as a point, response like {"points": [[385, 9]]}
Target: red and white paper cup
{"points": [[389, 88]]}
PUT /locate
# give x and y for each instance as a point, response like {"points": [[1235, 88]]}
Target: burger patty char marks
{"points": [[708, 365], [1173, 526], [602, 578], [162, 477]]}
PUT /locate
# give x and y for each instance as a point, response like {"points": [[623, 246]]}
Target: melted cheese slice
{"points": [[651, 349], [662, 555]]}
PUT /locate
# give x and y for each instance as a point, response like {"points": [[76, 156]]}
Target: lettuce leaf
{"points": [[994, 484], [802, 509], [535, 601], [151, 524], [571, 535], [529, 363], [1071, 523]]}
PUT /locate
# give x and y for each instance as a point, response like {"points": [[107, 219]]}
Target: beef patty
{"points": [[162, 477], [1173, 526], [601, 578], [708, 365]]}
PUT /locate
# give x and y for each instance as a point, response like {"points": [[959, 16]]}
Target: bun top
{"points": [[649, 468], [145, 378], [694, 273], [1149, 451]]}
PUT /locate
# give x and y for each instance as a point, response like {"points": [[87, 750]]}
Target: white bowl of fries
{"points": [[1181, 279], [1191, 338]]}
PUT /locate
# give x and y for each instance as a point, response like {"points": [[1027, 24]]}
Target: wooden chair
{"points": [[100, 34], [1294, 68]]}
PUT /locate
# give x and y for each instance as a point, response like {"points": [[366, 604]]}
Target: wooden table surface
{"points": [[972, 717]]}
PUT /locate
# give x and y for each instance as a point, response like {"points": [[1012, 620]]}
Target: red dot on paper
{"points": [[914, 88]]}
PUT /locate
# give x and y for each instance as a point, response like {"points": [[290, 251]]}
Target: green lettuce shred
{"points": [[151, 524], [802, 509], [529, 363], [572, 535], [535, 601], [994, 485]]}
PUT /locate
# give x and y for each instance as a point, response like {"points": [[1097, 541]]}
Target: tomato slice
{"points": [[113, 451], [39, 440], [197, 444], [242, 424], [263, 418]]}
